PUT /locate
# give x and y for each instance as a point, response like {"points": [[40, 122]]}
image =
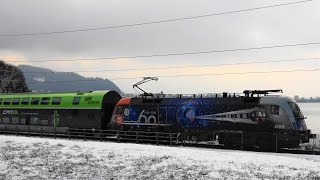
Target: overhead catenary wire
{"points": [[189, 75], [174, 67], [154, 22], [222, 74], [176, 54]]}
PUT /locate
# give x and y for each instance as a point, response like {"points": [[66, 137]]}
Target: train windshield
{"points": [[296, 110]]}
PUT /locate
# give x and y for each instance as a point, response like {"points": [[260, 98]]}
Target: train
{"points": [[251, 119]]}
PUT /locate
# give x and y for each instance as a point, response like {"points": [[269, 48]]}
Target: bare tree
{"points": [[11, 79]]}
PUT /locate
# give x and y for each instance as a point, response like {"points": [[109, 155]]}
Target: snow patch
{"points": [[36, 158], [42, 79]]}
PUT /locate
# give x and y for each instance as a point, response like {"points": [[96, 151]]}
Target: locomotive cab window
{"points": [[7, 101], [45, 101], [56, 100], [1, 99], [275, 109], [16, 101], [35, 101], [25, 101], [296, 110], [76, 100]]}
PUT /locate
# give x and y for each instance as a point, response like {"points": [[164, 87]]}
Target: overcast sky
{"points": [[294, 24]]}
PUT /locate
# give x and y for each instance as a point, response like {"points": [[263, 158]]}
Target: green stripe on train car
{"points": [[68, 100]]}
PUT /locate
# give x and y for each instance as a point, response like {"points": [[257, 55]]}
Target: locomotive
{"points": [[256, 114]]}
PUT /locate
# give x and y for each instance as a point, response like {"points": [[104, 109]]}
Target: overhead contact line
{"points": [[154, 22]]}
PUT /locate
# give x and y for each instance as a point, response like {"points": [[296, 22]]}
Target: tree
{"points": [[11, 79]]}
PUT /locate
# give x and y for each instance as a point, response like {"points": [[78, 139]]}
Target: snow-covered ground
{"points": [[36, 158]]}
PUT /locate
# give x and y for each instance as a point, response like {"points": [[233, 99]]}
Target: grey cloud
{"points": [[282, 25]]}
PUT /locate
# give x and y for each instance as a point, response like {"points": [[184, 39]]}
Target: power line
{"points": [[176, 54], [178, 67], [191, 75], [222, 74], [154, 22], [205, 65]]}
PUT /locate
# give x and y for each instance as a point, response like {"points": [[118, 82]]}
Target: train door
{"points": [[56, 118], [65, 117], [28, 119], [164, 120], [106, 114]]}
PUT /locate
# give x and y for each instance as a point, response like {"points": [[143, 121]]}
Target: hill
{"points": [[41, 79]]}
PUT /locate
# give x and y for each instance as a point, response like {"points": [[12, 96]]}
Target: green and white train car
{"points": [[57, 111]]}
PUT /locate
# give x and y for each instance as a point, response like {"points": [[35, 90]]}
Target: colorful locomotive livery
{"points": [[200, 116], [182, 112], [203, 117], [268, 112]]}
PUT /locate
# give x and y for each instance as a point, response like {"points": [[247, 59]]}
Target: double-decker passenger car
{"points": [[56, 111]]}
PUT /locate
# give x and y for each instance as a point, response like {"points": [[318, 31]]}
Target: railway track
{"points": [[139, 137]]}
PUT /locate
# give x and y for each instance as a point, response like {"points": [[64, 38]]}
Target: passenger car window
{"points": [[35, 101], [15, 120], [16, 101], [1, 99], [45, 101], [25, 101], [7, 101], [44, 121], [76, 100], [6, 120], [56, 100], [34, 120]]}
